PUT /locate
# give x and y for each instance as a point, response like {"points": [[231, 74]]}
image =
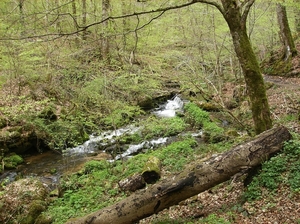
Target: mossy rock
{"points": [[277, 65], [17, 140], [24, 200], [232, 133], [34, 210], [269, 85], [44, 219], [231, 104], [12, 161], [208, 106]]}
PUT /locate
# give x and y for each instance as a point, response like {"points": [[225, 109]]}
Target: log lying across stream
{"points": [[192, 181]]}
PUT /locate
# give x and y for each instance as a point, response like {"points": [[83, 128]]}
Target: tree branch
{"points": [[134, 14], [211, 2], [248, 5]]}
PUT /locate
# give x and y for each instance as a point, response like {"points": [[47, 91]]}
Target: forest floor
{"points": [[226, 200]]}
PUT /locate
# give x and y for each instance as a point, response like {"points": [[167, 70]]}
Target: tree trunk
{"points": [[104, 38], [22, 18], [255, 84], [285, 33], [74, 14], [193, 180], [84, 33], [57, 24], [297, 16]]}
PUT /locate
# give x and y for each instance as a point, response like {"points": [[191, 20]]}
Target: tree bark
{"points": [[297, 16], [84, 33], [104, 38], [236, 18], [193, 180], [285, 33], [22, 18], [74, 14]]}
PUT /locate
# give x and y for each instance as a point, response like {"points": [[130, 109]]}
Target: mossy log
{"points": [[193, 180], [150, 174], [151, 171], [132, 183]]}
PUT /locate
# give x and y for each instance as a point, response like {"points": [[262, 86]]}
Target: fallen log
{"points": [[193, 180], [132, 183], [151, 171], [150, 174]]}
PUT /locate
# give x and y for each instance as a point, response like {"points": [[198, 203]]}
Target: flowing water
{"points": [[170, 108], [49, 166]]}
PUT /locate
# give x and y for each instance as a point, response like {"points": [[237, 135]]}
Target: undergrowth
{"points": [[96, 185], [281, 169]]}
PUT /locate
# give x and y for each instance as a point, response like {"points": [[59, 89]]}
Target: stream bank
{"points": [[49, 166]]}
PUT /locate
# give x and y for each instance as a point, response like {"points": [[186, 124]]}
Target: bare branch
{"points": [[248, 5], [134, 14], [211, 2]]}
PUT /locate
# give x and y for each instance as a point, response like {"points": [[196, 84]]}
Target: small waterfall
{"points": [[170, 108]]}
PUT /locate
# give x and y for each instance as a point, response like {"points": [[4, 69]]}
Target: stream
{"points": [[50, 165]]}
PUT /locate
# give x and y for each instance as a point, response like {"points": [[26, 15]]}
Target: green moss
{"points": [[195, 115], [93, 165], [34, 210], [200, 119], [155, 127], [152, 170], [12, 161], [121, 116], [44, 219]]}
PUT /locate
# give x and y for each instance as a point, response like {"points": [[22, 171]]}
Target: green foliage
{"points": [[294, 176], [12, 161], [284, 168], [196, 116], [199, 118], [136, 86], [292, 150], [135, 164], [121, 116], [214, 219], [156, 127], [96, 186], [93, 166], [59, 134], [274, 168], [175, 156]]}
